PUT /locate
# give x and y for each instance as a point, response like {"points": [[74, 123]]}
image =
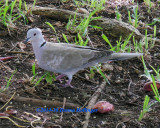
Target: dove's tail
{"points": [[123, 56]]}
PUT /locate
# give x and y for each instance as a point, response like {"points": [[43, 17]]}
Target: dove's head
{"points": [[33, 34]]}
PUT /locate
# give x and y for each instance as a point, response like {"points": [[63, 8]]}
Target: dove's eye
{"points": [[34, 34]]}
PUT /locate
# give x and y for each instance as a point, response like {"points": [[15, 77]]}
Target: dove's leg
{"points": [[68, 84], [59, 77]]}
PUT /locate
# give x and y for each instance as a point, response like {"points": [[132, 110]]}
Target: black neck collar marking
{"points": [[43, 44]]}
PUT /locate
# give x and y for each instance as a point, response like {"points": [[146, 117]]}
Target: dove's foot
{"points": [[59, 77], [68, 84]]}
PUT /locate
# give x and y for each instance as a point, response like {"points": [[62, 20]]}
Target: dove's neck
{"points": [[38, 45]]}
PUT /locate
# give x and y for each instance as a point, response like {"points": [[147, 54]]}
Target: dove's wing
{"points": [[63, 57]]}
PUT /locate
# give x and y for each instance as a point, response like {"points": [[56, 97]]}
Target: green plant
{"points": [[138, 47], [34, 73], [146, 107], [49, 78], [96, 4], [82, 27], [148, 3], [157, 72], [144, 45], [118, 15], [155, 90], [98, 69], [80, 41], [92, 4], [8, 82], [53, 30], [7, 14], [148, 74], [123, 47], [155, 31], [155, 20], [135, 16], [46, 75], [65, 38]]}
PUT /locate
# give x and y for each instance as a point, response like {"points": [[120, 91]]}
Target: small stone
{"points": [[107, 67], [117, 81]]}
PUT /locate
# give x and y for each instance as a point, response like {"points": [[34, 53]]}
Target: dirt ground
{"points": [[125, 91]]}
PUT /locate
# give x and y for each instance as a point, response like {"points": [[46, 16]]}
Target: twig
{"points": [[64, 102], [39, 102], [8, 100], [92, 102], [5, 117]]}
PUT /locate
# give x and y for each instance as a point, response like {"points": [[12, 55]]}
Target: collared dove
{"points": [[68, 59]]}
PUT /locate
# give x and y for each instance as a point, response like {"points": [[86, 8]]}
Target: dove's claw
{"points": [[59, 77], [68, 84]]}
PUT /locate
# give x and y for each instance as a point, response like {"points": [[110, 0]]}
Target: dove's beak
{"points": [[26, 41]]}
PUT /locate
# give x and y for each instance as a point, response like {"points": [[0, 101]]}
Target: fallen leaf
{"points": [[147, 86], [6, 58]]}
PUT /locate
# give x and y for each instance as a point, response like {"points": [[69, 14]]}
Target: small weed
{"points": [[82, 27], [53, 30], [46, 75], [155, 20], [65, 38], [137, 45], [148, 74], [155, 90], [7, 15], [146, 107], [8, 82], [92, 4], [98, 69], [120, 47], [135, 17], [80, 41], [155, 31], [118, 15], [149, 4], [144, 45]]}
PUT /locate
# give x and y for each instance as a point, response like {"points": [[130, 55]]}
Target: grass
{"points": [[50, 25], [146, 105], [82, 26], [92, 4], [46, 75], [155, 90], [120, 47], [149, 4], [142, 46], [135, 16], [8, 82], [118, 15], [147, 73], [7, 14], [99, 70], [155, 20]]}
